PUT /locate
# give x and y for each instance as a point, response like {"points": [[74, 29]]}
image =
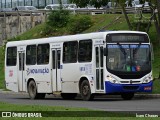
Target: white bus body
{"points": [[83, 63]]}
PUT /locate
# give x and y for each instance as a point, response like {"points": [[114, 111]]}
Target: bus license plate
{"points": [[147, 88]]}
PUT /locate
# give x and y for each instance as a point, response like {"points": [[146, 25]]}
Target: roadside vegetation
{"points": [[59, 113]]}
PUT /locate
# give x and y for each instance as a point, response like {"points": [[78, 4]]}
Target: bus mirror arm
{"points": [[105, 52]]}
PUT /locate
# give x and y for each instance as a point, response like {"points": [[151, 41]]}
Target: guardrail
{"points": [[117, 10]]}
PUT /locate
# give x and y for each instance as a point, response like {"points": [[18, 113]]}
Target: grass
{"points": [[69, 112], [55, 109], [99, 21], [65, 111], [2, 68]]}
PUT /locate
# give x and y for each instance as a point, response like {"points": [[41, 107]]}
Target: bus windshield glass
{"points": [[128, 58]]}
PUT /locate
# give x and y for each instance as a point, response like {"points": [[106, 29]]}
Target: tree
{"points": [[60, 3], [123, 5], [155, 4], [99, 3]]}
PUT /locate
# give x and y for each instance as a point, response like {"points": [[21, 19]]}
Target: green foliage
{"points": [[2, 52], [79, 23], [47, 30], [143, 26], [58, 19]]}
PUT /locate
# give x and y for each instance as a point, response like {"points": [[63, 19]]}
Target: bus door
{"points": [[21, 68], [56, 76], [99, 67]]}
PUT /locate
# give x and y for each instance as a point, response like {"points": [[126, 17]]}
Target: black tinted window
{"points": [[85, 51], [43, 54], [70, 52], [11, 56], [31, 55]]}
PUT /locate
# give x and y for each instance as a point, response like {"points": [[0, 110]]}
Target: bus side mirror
{"points": [[105, 52], [152, 52]]}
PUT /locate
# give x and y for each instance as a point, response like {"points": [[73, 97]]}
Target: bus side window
{"points": [[85, 51], [43, 54], [31, 55], [11, 56], [70, 52]]}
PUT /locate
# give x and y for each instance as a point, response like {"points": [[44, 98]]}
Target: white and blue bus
{"points": [[111, 62]]}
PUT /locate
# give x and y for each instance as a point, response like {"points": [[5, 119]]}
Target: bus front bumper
{"points": [[119, 88]]}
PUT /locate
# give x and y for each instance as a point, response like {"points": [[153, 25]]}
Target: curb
{"points": [[147, 95], [11, 92], [139, 96]]}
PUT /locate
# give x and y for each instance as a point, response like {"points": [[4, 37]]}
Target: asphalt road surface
{"points": [[110, 103]]}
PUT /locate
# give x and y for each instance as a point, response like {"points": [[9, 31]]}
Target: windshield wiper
{"points": [[136, 49], [122, 49]]}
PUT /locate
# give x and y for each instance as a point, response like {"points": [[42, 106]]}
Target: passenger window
{"points": [[70, 52], [43, 54], [31, 55], [85, 51], [11, 56]]}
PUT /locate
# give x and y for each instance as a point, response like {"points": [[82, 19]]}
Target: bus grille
{"points": [[130, 87], [125, 82]]}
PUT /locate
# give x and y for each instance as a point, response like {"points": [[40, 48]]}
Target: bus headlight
{"points": [[112, 79], [147, 79]]}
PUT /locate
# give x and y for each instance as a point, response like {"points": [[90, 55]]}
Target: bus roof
{"points": [[94, 35]]}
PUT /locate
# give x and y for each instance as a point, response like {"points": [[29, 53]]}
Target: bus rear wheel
{"points": [[86, 91], [32, 91], [68, 96], [127, 96]]}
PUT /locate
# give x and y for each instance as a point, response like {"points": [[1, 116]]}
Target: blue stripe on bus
{"points": [[119, 88]]}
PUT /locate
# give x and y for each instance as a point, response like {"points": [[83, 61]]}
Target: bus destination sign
{"points": [[127, 38]]}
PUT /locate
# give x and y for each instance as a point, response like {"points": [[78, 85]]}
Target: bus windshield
{"points": [[128, 58]]}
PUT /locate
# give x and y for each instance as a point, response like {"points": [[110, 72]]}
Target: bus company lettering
{"points": [[37, 71]]}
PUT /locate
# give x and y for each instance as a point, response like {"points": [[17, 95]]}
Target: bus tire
{"points": [[32, 91], [68, 96], [127, 96], [86, 91]]}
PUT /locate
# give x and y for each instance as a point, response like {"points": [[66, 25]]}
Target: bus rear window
{"points": [[11, 56]]}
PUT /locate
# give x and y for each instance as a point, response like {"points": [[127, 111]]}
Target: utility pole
{"points": [[17, 2], [38, 3], [5, 3], [11, 3], [1, 3], [45, 3]]}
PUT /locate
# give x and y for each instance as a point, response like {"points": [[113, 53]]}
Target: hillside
{"points": [[100, 22]]}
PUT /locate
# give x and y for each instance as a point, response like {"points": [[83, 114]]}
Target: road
{"points": [[107, 104]]}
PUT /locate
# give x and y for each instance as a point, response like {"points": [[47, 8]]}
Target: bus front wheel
{"points": [[86, 91], [127, 96], [32, 91]]}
